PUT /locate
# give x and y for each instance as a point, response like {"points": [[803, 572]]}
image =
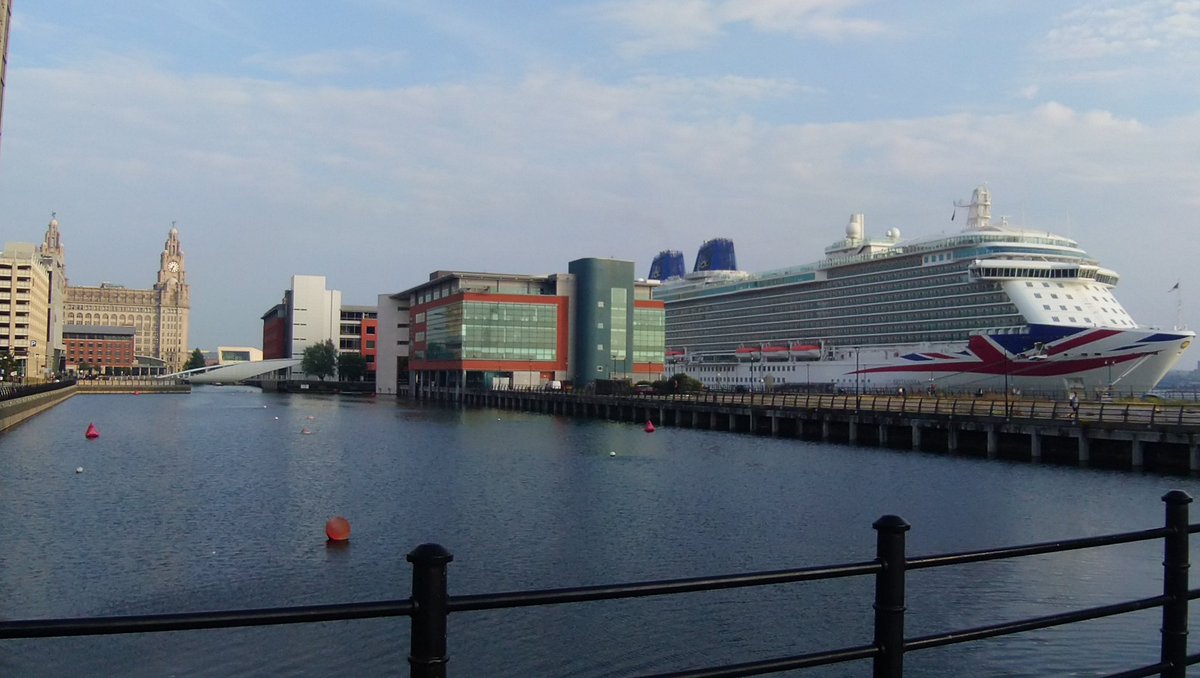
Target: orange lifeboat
{"points": [[775, 353], [805, 351], [748, 353]]}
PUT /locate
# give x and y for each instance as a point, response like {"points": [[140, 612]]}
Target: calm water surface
{"points": [[215, 500]]}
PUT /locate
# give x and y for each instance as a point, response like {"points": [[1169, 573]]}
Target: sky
{"points": [[376, 141]]}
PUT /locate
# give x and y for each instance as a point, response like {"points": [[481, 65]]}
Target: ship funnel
{"points": [[716, 255], [667, 264]]}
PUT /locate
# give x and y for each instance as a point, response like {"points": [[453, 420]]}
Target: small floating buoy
{"points": [[276, 418], [649, 426], [137, 392], [337, 529], [305, 431], [91, 433], [79, 469], [310, 417], [612, 453]]}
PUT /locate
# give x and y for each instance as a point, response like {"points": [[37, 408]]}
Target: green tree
{"points": [[351, 366], [8, 365], [680, 383], [196, 360], [320, 360]]}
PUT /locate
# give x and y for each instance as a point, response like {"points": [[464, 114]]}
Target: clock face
{"points": [[173, 266]]}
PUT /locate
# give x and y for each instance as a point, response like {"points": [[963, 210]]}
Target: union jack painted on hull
{"points": [[987, 356]]}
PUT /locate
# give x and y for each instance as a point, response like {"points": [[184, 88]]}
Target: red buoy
{"points": [[92, 433], [338, 529], [649, 426]]}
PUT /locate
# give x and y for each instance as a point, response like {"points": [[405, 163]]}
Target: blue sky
{"points": [[374, 141]]}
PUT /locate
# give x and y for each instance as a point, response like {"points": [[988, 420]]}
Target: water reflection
{"points": [[216, 500]]}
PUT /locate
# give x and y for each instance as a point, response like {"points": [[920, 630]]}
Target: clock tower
{"points": [[158, 316], [173, 303], [170, 264]]}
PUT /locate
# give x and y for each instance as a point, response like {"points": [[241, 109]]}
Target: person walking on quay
{"points": [[1074, 406]]}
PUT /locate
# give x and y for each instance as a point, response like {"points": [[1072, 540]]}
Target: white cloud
{"points": [[1124, 27], [682, 25], [330, 63], [663, 25]]}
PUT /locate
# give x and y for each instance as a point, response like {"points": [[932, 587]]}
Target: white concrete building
{"points": [[391, 360], [315, 313]]}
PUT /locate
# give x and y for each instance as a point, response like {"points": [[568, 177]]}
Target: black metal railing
{"points": [[430, 604], [958, 405], [12, 391]]}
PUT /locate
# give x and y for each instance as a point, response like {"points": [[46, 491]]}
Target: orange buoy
{"points": [[649, 426], [92, 433], [305, 431], [337, 529]]}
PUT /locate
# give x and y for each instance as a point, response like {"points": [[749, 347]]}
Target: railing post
{"points": [[1175, 585], [889, 596], [427, 651]]}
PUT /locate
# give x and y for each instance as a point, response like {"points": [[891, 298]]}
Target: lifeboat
{"points": [[805, 351], [776, 353], [748, 353]]}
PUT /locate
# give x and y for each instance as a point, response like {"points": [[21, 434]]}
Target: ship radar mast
{"points": [[979, 210]]}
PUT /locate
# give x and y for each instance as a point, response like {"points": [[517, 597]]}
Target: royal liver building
{"points": [[159, 316]]}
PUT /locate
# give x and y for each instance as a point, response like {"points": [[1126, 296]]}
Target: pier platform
{"points": [[1119, 435]]}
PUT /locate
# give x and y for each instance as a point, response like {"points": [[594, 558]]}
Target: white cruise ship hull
{"points": [[1090, 360]]}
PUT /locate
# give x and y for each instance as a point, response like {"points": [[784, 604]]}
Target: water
{"points": [[216, 500]]}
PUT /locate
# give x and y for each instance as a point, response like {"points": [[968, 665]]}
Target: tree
{"points": [[8, 365], [351, 366], [196, 360], [679, 383], [320, 360]]}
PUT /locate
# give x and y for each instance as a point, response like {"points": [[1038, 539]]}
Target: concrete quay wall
{"points": [[1130, 436], [17, 410]]}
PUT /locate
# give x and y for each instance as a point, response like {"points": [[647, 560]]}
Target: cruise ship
{"points": [[993, 308]]}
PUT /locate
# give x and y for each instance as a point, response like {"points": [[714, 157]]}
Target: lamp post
{"points": [[857, 378]]}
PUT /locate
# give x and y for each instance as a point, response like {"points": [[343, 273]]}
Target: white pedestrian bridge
{"points": [[234, 372]]}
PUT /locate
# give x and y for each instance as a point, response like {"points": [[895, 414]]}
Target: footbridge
{"points": [[235, 372]]}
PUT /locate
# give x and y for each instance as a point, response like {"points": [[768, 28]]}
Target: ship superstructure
{"points": [[988, 308]]}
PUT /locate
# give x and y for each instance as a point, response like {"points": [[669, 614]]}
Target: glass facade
{"points": [[476, 330], [648, 339], [620, 310]]}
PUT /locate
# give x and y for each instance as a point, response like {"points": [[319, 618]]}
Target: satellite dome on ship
{"points": [[716, 255]]}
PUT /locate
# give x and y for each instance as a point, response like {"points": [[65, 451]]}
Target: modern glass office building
{"points": [[496, 330]]}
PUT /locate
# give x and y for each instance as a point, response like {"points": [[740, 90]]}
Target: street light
{"points": [[856, 373]]}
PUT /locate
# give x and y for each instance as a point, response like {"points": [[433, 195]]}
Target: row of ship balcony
{"points": [[759, 353]]}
